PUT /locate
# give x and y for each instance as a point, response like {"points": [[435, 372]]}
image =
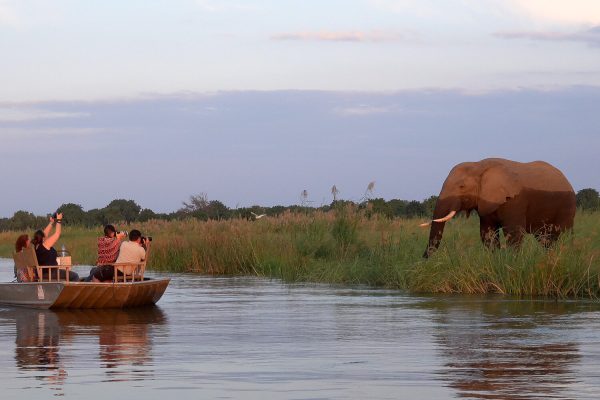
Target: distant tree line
{"points": [[588, 200], [199, 207]]}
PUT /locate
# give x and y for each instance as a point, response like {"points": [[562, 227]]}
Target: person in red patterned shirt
{"points": [[108, 251], [108, 246]]}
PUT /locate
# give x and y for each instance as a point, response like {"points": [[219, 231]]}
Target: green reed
{"points": [[352, 246]]}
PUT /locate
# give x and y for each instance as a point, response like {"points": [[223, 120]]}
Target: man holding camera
{"points": [[133, 250]]}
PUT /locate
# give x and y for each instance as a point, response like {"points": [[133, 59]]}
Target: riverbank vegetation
{"points": [[354, 245]]}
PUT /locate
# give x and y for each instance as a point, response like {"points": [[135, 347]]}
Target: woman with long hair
{"points": [[44, 250], [22, 274], [22, 242]]}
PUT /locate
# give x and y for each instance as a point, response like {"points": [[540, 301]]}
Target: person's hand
{"points": [[59, 216], [51, 219], [121, 235]]}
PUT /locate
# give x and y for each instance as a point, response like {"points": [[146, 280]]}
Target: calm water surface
{"points": [[248, 338]]}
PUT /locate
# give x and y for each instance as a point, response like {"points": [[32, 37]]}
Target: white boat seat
{"points": [[27, 259]]}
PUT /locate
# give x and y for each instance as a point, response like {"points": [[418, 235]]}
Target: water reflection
{"points": [[506, 350], [38, 345], [123, 337]]}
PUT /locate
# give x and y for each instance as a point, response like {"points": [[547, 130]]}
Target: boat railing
{"points": [[26, 259]]}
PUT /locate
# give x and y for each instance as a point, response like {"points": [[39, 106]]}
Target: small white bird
{"points": [[258, 216]]}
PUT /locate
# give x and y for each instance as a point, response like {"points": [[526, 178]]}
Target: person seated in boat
{"points": [[108, 251], [131, 251], [46, 254], [22, 274]]}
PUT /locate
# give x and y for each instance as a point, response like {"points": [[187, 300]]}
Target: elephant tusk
{"points": [[425, 224], [446, 218]]}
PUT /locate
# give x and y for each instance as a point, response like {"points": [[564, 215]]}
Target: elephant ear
{"points": [[498, 185]]}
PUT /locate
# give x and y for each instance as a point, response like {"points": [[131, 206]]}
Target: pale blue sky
{"points": [[254, 101]]}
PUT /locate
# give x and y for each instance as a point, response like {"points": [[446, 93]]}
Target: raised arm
{"points": [[48, 228], [51, 241]]}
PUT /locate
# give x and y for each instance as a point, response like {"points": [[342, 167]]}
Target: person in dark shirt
{"points": [[46, 254]]}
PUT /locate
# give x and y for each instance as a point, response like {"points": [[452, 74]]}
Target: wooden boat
{"points": [[83, 294], [129, 288]]}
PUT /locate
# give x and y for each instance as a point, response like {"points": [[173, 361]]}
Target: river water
{"points": [[250, 338]]}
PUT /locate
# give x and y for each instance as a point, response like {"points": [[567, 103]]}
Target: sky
{"points": [[252, 102]]}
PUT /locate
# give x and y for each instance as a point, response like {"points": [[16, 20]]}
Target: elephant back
{"points": [[536, 175], [539, 175]]}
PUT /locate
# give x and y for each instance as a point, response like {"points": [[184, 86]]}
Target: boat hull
{"points": [[35, 295], [71, 295]]}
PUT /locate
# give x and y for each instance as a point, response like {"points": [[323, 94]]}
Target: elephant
{"points": [[511, 196]]}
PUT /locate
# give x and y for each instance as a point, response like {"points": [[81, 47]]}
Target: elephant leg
{"points": [[513, 235], [548, 235], [514, 223], [490, 233]]}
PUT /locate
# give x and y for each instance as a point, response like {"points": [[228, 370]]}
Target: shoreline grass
{"points": [[353, 247]]}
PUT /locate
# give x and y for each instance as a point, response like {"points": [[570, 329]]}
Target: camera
{"points": [[149, 238], [55, 217]]}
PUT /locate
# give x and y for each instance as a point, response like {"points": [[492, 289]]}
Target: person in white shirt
{"points": [[131, 251]]}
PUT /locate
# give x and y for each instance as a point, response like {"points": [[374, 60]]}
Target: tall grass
{"points": [[353, 247]]}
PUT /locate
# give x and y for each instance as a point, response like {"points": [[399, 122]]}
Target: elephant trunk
{"points": [[444, 208]]}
